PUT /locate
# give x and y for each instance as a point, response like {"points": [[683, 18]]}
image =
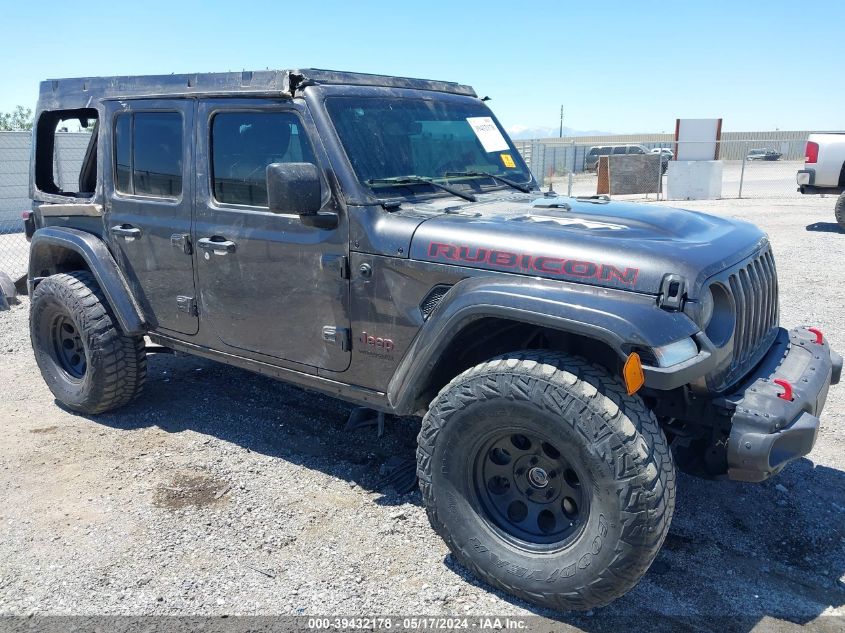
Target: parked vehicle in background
{"points": [[824, 170], [665, 151], [380, 239], [763, 154], [592, 159]]}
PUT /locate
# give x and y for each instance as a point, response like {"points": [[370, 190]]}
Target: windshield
{"points": [[445, 141]]}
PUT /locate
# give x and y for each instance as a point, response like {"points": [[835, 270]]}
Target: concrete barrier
{"points": [[694, 180]]}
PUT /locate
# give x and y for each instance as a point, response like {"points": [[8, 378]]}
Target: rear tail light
{"points": [[28, 224], [811, 154]]}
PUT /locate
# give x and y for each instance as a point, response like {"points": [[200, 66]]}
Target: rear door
{"points": [[149, 201]]}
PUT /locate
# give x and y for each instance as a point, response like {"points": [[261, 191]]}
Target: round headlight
{"points": [[721, 319], [705, 310]]}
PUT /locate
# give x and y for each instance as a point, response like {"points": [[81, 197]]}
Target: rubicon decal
{"points": [[539, 264]]}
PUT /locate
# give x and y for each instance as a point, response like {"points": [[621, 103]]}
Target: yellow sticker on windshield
{"points": [[507, 159]]}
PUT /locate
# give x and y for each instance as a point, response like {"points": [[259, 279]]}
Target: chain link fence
{"points": [[14, 188], [14, 198], [751, 168]]}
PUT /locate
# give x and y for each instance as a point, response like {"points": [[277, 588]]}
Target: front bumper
{"points": [[767, 430]]}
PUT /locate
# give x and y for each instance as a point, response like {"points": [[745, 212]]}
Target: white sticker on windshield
{"points": [[487, 132]]}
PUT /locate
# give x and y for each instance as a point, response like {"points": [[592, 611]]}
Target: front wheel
{"points": [[546, 479]]}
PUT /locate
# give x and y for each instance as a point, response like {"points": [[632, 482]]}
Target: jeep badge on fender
{"points": [[381, 240], [376, 342]]}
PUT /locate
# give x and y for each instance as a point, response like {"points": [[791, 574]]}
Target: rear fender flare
{"points": [[620, 319], [46, 251]]}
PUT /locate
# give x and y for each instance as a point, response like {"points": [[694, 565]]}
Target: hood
{"points": [[599, 242]]}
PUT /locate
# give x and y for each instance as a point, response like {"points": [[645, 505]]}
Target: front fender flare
{"points": [[49, 242], [621, 319]]}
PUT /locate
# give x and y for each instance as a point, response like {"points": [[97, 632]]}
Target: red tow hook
{"points": [[818, 333], [787, 388]]}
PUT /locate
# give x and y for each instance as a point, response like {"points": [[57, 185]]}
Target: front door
{"points": [[149, 198], [269, 285]]}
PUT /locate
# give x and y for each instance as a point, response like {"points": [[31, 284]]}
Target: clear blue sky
{"points": [[615, 66]]}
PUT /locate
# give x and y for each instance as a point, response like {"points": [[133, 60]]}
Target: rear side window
{"points": [[619, 150], [244, 143], [66, 152], [148, 154]]}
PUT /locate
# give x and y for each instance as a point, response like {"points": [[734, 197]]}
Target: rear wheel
{"points": [[839, 210], [88, 363], [546, 479]]}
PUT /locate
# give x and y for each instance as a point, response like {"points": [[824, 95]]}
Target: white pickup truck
{"points": [[824, 169]]}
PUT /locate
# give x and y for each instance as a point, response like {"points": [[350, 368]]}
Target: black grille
{"points": [[754, 287], [432, 299]]}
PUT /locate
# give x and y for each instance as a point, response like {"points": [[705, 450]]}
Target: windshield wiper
{"points": [[505, 181], [420, 180]]}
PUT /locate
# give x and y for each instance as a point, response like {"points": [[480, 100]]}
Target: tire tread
{"points": [[643, 459], [839, 210]]}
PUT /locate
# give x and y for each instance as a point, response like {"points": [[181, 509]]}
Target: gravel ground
{"points": [[223, 492]]}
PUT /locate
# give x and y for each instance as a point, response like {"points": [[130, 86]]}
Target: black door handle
{"points": [[217, 245], [126, 231]]}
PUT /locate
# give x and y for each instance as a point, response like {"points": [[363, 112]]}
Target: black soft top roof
{"points": [[86, 91]]}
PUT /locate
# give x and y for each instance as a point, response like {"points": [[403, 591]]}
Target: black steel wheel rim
{"points": [[529, 489], [68, 347]]}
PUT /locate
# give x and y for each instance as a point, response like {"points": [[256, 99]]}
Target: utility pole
{"points": [[561, 122]]}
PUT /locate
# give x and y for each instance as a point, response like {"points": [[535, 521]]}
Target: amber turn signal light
{"points": [[632, 372]]}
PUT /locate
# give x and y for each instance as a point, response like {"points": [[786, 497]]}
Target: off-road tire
{"points": [[7, 290], [115, 363], [839, 210], [614, 438]]}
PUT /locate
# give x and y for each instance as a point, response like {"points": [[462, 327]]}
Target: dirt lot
{"points": [[224, 492]]}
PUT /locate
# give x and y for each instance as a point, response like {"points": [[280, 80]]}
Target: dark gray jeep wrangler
{"points": [[381, 240]]}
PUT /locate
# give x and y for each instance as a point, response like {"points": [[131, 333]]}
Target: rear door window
{"points": [[148, 154]]}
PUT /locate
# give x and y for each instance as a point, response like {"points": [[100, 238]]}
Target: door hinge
{"points": [[181, 241], [187, 304], [339, 263], [338, 336]]}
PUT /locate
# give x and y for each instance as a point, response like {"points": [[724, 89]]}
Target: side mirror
{"points": [[294, 188]]}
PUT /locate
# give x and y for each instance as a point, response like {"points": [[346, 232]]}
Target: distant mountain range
{"points": [[523, 132]]}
